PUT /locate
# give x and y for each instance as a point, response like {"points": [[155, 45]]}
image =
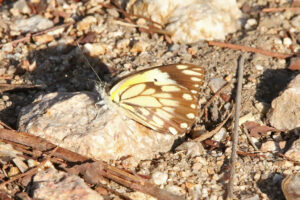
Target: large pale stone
{"points": [[191, 20], [72, 121]]}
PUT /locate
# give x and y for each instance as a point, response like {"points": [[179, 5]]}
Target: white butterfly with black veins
{"points": [[163, 98]]}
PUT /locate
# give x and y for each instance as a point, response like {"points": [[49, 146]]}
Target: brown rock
{"points": [[294, 151], [285, 109], [95, 49], [86, 23], [42, 39], [291, 187], [272, 146], [57, 185]]}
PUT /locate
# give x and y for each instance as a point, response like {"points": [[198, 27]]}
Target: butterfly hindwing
{"points": [[162, 98]]}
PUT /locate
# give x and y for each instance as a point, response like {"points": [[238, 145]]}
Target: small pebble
{"points": [[22, 7], [13, 171], [159, 178], [250, 23], [8, 48], [175, 189], [11, 70], [139, 47], [296, 22], [113, 12], [42, 39], [95, 49], [277, 178], [86, 23], [216, 83], [287, 42], [5, 98], [220, 135], [259, 67], [272, 146]]}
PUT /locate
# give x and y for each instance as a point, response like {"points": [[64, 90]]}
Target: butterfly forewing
{"points": [[163, 98]]}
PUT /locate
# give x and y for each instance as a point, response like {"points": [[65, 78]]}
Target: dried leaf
{"points": [[256, 130], [250, 125], [6, 87], [89, 38]]}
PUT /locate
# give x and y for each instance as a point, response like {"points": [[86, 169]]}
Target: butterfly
{"points": [[163, 98]]}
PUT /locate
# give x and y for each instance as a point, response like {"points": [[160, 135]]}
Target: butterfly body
{"points": [[163, 98]]}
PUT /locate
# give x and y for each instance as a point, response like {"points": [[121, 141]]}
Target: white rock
{"points": [[32, 24], [220, 135], [175, 189], [192, 148], [86, 23], [296, 22], [250, 23], [22, 7], [287, 41], [192, 20], [20, 164], [272, 146], [8, 47], [259, 67], [72, 121], [7, 152], [57, 185], [248, 117], [160, 178], [285, 109], [216, 83], [138, 196], [254, 197], [95, 49]]}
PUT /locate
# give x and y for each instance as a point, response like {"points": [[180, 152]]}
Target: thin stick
{"points": [[30, 35], [236, 126], [249, 138], [295, 9], [31, 171], [213, 132], [120, 176], [5, 125], [251, 49]]}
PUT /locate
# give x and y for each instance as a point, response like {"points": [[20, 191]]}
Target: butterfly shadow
{"points": [[59, 68]]}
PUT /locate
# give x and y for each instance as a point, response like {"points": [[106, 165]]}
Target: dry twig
{"points": [[236, 127], [249, 138], [289, 159], [31, 171], [211, 133], [99, 168], [295, 9], [250, 49]]}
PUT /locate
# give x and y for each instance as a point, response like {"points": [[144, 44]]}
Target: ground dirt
{"points": [[62, 66]]}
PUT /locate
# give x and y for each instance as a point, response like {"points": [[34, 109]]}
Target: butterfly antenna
{"points": [[98, 77]]}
